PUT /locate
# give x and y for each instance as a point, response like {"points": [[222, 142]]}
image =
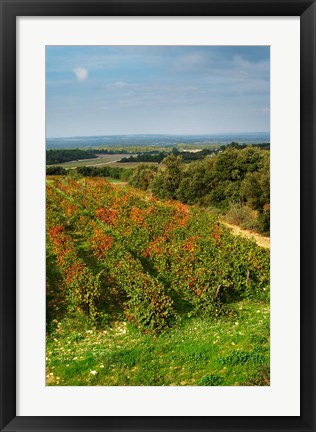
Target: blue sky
{"points": [[105, 90]]}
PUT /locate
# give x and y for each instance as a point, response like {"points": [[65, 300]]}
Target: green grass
{"points": [[228, 351]]}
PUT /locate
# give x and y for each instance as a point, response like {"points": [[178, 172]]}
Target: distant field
{"points": [[132, 164], [105, 160], [101, 160], [154, 141]]}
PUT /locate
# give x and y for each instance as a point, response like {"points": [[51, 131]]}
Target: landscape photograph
{"points": [[157, 215]]}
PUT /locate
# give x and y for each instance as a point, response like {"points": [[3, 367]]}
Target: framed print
{"points": [[139, 288]]}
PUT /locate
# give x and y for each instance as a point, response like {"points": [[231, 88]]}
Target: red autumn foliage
{"points": [[107, 215], [100, 243]]}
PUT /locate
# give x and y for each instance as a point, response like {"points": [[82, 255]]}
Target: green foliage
{"points": [[65, 155], [241, 357], [142, 176], [243, 216], [83, 287], [236, 358], [234, 177], [161, 255], [186, 355], [118, 173], [148, 305], [156, 157], [258, 339], [166, 182], [260, 377], [211, 380], [126, 174], [55, 170]]}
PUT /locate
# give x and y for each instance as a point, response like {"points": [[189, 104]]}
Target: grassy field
{"points": [[227, 352], [105, 160], [100, 161]]}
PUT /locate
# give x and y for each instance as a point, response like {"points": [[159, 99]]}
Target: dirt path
{"points": [[259, 239], [118, 183]]}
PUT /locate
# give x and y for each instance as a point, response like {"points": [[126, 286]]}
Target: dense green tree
{"points": [[55, 170], [166, 183], [238, 176], [255, 188], [198, 181], [142, 176], [226, 166], [56, 156]]}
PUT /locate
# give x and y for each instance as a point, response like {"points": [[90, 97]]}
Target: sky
{"points": [[109, 90]]}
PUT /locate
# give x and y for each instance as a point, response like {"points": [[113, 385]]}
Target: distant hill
{"points": [[155, 140]]}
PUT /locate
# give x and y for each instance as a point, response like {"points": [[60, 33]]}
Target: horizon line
{"points": [[157, 134]]}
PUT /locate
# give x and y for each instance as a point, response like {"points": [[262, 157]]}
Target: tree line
{"points": [[187, 156], [117, 173], [57, 156], [158, 157], [236, 181]]}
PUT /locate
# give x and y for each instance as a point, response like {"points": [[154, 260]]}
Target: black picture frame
{"points": [[10, 9]]}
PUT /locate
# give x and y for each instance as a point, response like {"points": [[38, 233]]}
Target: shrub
{"points": [[83, 287], [210, 380], [55, 170], [243, 216], [156, 251]]}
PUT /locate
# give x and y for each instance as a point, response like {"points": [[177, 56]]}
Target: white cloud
{"points": [[121, 84], [191, 62], [251, 70], [81, 73]]}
